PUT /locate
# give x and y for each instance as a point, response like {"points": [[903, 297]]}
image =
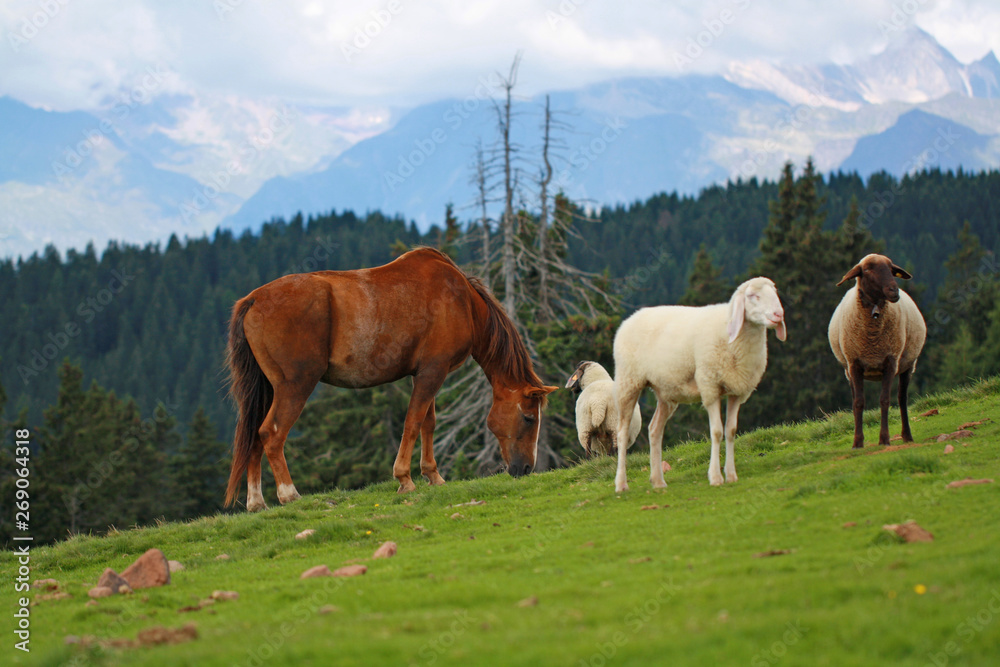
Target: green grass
{"points": [[616, 584]]}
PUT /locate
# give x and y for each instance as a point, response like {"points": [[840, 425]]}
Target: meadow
{"points": [[789, 566]]}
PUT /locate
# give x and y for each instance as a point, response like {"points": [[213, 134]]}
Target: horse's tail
{"points": [[251, 392]]}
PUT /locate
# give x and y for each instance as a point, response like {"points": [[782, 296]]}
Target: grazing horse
{"points": [[419, 315]]}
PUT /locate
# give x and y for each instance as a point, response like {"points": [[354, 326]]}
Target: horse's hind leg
{"points": [[428, 466], [425, 387], [289, 399], [255, 498]]}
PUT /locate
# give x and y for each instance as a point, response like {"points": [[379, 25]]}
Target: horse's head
{"points": [[514, 419]]}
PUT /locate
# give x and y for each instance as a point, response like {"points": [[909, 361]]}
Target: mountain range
{"points": [[187, 163]]}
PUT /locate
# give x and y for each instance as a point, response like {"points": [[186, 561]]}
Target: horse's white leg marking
{"points": [[287, 493], [255, 499]]}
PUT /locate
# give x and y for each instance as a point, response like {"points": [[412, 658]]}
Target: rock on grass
{"points": [[387, 550], [909, 531], [149, 570]]}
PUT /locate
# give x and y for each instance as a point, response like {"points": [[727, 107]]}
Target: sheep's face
{"points": [[876, 280], [514, 419], [757, 301], [586, 373], [576, 380]]}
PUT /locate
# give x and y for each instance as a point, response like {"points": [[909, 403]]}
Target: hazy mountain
{"points": [[186, 163]]}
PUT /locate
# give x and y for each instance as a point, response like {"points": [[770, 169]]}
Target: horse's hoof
{"points": [[406, 487], [434, 479], [256, 507], [287, 494]]}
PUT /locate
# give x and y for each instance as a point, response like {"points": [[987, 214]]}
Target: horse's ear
{"points": [[853, 273], [901, 273], [538, 393]]}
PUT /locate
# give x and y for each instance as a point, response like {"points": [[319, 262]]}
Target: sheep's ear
{"points": [[853, 273], [736, 319], [900, 273], [574, 380], [781, 332]]}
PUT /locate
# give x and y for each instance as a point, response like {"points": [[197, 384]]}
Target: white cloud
{"points": [[403, 52]]}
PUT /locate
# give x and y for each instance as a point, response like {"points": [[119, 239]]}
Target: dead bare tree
{"points": [[508, 221]]}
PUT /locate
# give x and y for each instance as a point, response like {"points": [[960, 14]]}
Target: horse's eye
{"points": [[528, 418]]}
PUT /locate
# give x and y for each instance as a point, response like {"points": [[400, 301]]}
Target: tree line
{"points": [[115, 361]]}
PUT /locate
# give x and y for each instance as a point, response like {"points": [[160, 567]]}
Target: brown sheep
{"points": [[877, 333]]}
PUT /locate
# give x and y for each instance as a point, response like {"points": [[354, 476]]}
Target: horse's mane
{"points": [[499, 347]]}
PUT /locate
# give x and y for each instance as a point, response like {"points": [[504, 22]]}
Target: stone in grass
{"points": [[349, 571], [148, 571], [948, 449], [967, 481], [100, 592], [318, 571], [225, 595], [305, 533], [909, 531], [529, 602], [328, 609], [955, 435], [222, 557], [114, 581], [46, 584], [387, 550], [174, 566]]}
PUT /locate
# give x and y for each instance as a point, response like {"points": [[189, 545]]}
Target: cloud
{"points": [[403, 52]]}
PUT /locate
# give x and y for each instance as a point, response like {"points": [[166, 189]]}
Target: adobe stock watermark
{"points": [[87, 311], [901, 17], [585, 155], [73, 156], [635, 621], [957, 299], [789, 123], [30, 26], [566, 9], [883, 201], [102, 471], [370, 30], [433, 649], [249, 152], [966, 631], [772, 655], [452, 119], [713, 29]]}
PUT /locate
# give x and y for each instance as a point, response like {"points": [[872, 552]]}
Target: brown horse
{"points": [[419, 315]]}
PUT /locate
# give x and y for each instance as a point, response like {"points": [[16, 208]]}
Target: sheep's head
{"points": [[876, 280], [585, 373], [756, 301]]}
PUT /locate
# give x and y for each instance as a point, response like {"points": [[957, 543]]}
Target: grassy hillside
{"points": [[616, 583]]}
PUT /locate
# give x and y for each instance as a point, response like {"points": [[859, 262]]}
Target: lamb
{"points": [[687, 354], [876, 333], [597, 409]]}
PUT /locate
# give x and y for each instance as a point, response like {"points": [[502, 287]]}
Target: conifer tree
{"points": [[705, 284], [200, 469]]}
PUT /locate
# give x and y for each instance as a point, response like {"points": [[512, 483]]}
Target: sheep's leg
{"points": [[626, 404], [664, 410], [732, 410], [715, 425], [904, 383], [857, 377], [888, 372]]}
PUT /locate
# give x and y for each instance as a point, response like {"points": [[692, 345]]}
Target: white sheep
{"points": [[687, 354], [877, 333], [597, 409]]}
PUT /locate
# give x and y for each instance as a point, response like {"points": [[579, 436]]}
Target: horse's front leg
{"points": [[428, 465], [425, 387]]}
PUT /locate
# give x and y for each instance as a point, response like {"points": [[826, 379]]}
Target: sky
{"points": [[77, 54]]}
